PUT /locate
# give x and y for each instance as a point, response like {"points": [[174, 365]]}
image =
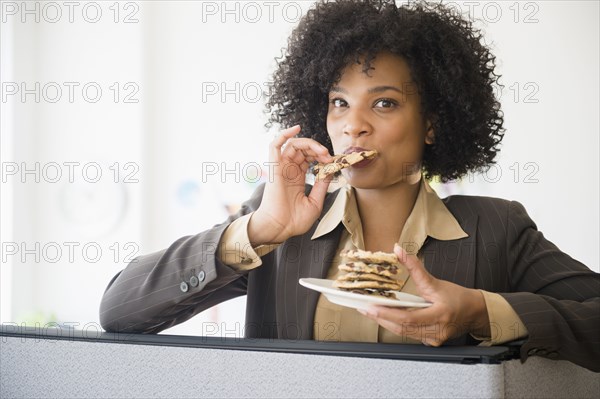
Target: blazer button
{"points": [[552, 355], [183, 286], [201, 275], [542, 352], [194, 281], [532, 352]]}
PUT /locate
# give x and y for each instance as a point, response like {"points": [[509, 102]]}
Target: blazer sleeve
{"points": [[556, 297], [165, 288]]}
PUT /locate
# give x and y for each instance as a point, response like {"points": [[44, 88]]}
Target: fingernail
{"points": [[366, 312], [370, 312]]}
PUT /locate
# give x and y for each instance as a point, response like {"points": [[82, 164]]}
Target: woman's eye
{"points": [[338, 102], [385, 103]]}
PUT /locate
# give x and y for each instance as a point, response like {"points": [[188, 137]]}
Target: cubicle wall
{"points": [[55, 363]]}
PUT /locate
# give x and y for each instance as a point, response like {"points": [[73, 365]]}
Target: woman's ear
{"points": [[429, 134]]}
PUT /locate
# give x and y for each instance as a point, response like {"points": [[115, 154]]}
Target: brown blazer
{"points": [[556, 297]]}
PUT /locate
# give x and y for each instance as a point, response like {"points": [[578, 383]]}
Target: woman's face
{"points": [[379, 111]]}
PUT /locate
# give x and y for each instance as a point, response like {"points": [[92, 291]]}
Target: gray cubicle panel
{"points": [[67, 363]]}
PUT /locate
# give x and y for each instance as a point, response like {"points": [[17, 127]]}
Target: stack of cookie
{"points": [[370, 273]]}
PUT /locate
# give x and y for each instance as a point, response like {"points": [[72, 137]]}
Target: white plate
{"points": [[360, 301]]}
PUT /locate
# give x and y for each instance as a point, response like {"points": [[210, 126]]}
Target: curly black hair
{"points": [[451, 66]]}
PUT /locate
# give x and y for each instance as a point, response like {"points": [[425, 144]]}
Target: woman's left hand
{"points": [[456, 310]]}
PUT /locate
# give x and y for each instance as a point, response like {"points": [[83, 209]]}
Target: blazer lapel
{"points": [[453, 260], [301, 257]]}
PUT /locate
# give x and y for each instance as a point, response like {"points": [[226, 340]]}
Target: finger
{"points": [[290, 132], [297, 156], [281, 139], [297, 160], [406, 316], [418, 316], [307, 146], [326, 179], [410, 316], [427, 333], [384, 312], [319, 191], [415, 267], [285, 135], [403, 328]]}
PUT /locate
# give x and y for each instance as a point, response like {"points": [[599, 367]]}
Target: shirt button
{"points": [[194, 281], [183, 286], [201, 275]]}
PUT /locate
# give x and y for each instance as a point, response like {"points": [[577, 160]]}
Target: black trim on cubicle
{"points": [[451, 354]]}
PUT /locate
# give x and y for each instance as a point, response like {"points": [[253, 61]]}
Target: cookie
{"points": [[381, 269], [371, 257], [354, 276], [367, 284], [340, 162], [384, 294]]}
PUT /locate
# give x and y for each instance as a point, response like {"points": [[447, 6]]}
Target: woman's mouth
{"points": [[364, 164], [354, 149], [361, 164]]}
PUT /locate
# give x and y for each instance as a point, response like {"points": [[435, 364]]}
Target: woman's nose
{"points": [[355, 124]]}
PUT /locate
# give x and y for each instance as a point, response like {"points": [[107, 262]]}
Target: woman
{"points": [[415, 84]]}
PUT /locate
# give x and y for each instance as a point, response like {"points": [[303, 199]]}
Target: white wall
{"points": [[555, 62], [52, 210], [175, 55]]}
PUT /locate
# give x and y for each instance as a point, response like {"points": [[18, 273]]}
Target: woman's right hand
{"points": [[285, 210]]}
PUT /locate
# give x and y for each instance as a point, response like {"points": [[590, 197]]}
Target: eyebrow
{"points": [[373, 90]]}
